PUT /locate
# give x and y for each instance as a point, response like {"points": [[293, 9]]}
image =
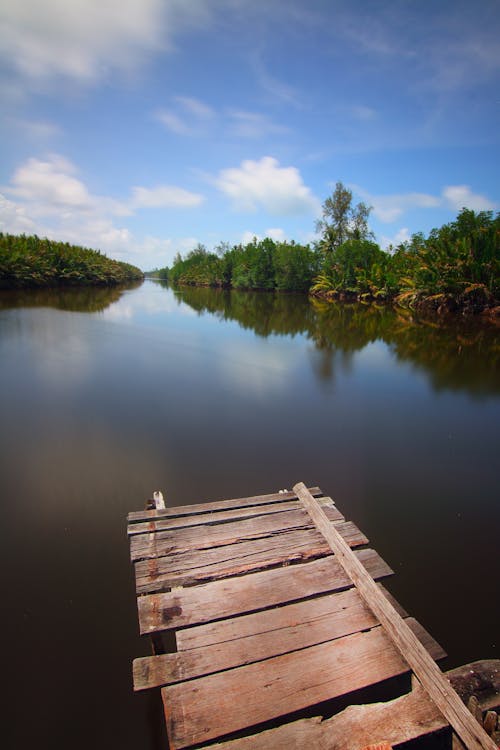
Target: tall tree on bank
{"points": [[342, 221]]}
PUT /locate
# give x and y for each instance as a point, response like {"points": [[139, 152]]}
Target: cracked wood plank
{"points": [[401, 720], [229, 597], [208, 707], [160, 543], [199, 519], [198, 566]]}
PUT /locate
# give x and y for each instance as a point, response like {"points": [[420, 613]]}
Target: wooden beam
{"points": [[430, 676]]}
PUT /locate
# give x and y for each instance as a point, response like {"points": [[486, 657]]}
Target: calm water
{"points": [[108, 395]]}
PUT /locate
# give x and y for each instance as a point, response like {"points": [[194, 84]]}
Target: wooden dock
{"points": [[277, 610]]}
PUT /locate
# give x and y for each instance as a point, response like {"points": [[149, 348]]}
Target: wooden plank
{"points": [[160, 543], [401, 720], [256, 591], [209, 707], [242, 640], [427, 671], [208, 507], [289, 615], [198, 566], [216, 517]]}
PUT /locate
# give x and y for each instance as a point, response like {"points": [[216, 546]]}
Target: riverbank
{"points": [[476, 303], [28, 261]]}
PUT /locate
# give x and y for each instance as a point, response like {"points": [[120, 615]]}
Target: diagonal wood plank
{"points": [[208, 707], [242, 640], [198, 566], [256, 591], [215, 517], [467, 728], [209, 507], [160, 543]]}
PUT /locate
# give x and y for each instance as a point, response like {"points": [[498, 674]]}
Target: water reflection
{"points": [[461, 355], [80, 299]]}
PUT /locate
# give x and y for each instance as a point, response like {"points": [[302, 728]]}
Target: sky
{"points": [[143, 127]]}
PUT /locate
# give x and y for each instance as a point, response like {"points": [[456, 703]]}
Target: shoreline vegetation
{"points": [[455, 269], [29, 261]]}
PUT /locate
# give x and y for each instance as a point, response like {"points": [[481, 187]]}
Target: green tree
{"points": [[342, 221]]}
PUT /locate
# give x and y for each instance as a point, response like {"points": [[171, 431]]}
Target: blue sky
{"points": [[142, 127]]}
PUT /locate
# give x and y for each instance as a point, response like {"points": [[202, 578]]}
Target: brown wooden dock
{"points": [[276, 607]]}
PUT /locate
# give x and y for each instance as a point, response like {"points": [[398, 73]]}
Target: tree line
{"points": [[456, 267], [28, 261]]}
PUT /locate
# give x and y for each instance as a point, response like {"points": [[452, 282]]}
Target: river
{"points": [[107, 395]]}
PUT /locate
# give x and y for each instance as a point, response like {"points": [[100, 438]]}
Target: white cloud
{"points": [[403, 235], [276, 233], [388, 208], [46, 197], [85, 39], [164, 196], [460, 196], [247, 237], [264, 184], [50, 183]]}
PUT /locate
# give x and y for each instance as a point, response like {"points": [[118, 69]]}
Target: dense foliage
{"points": [[261, 264], [457, 267], [28, 261]]}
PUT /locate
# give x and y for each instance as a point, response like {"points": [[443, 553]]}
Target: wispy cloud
{"points": [[253, 125], [164, 196], [188, 116], [265, 184]]}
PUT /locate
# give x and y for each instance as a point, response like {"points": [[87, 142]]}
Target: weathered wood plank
{"points": [[198, 566], [208, 507], [145, 546], [472, 735], [233, 596], [397, 721], [216, 517], [242, 640], [268, 620], [209, 707]]}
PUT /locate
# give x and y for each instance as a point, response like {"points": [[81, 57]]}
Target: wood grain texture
{"points": [[203, 709], [397, 721], [430, 676], [207, 507], [256, 591], [161, 543], [198, 566], [242, 640], [200, 519]]}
